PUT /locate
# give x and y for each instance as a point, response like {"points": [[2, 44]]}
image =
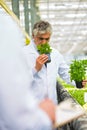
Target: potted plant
{"points": [[45, 49], [78, 71]]}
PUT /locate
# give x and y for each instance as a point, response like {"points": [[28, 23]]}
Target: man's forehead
{"points": [[43, 34]]}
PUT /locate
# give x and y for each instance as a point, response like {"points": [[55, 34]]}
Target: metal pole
{"points": [[15, 7]]}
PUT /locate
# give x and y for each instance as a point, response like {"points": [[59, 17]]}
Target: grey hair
{"points": [[42, 27]]}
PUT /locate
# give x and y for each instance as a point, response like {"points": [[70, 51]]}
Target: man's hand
{"points": [[84, 82], [49, 107], [40, 61]]}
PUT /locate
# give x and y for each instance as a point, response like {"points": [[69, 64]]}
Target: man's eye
{"points": [[40, 38]]}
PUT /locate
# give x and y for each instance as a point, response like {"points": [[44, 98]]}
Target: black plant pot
{"points": [[49, 58], [79, 84]]}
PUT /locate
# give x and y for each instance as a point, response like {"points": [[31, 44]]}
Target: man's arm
{"points": [[18, 108], [64, 73]]}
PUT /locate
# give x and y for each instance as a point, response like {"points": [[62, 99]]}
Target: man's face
{"points": [[42, 38]]}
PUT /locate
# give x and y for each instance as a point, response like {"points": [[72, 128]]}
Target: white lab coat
{"points": [[44, 82], [18, 108]]}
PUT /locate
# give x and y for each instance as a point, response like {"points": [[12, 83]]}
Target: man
{"points": [[45, 75], [19, 110]]}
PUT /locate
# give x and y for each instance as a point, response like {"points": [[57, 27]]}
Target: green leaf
{"points": [[44, 48]]}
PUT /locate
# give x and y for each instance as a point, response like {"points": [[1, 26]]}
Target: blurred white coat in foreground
{"points": [[18, 109]]}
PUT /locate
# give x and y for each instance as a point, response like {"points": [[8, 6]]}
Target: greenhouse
{"points": [[43, 64]]}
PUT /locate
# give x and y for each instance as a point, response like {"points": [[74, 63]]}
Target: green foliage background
{"points": [[77, 94]]}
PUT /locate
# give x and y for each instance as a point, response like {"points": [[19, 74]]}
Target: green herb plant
{"points": [[44, 48], [78, 70]]}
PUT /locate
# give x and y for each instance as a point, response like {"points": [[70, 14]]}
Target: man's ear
{"points": [[32, 35]]}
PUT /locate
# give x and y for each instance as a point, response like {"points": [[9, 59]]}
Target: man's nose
{"points": [[44, 41]]}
